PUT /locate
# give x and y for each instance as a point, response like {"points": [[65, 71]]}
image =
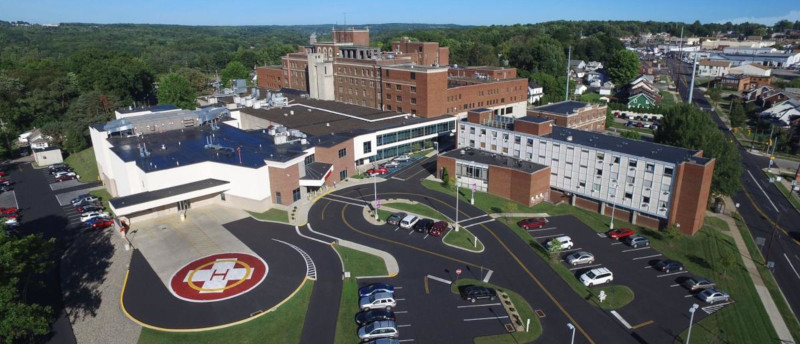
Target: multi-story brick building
{"points": [[574, 115], [645, 183], [412, 78]]}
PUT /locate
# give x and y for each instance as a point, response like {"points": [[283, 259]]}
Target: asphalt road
{"points": [[513, 263], [767, 213]]}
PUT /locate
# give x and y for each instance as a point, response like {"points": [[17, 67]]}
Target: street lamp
{"points": [[571, 327], [691, 320], [456, 224], [375, 186], [613, 205]]}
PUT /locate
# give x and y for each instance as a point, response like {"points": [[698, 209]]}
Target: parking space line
{"points": [[396, 288], [411, 232], [396, 229], [400, 312], [649, 322], [395, 178], [404, 340], [674, 285], [439, 279], [584, 267], [791, 265], [673, 273], [690, 295], [488, 318], [621, 320], [547, 236], [399, 299], [406, 325], [542, 229], [425, 237], [488, 276], [486, 305], [473, 218], [637, 249], [645, 257], [648, 267], [479, 223], [616, 243]]}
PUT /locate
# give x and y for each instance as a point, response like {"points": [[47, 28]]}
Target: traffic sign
{"points": [[378, 204], [458, 271]]}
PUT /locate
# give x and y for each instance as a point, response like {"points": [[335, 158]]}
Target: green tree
{"points": [[175, 89], [445, 177], [737, 115], [21, 260], [623, 67], [683, 125], [75, 141], [234, 70], [609, 118], [631, 134], [198, 80]]}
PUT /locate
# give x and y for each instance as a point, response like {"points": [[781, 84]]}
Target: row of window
{"points": [[414, 133], [355, 81], [399, 87], [295, 196], [354, 71]]}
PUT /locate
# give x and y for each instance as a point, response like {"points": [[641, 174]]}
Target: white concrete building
{"points": [[713, 68], [751, 69]]}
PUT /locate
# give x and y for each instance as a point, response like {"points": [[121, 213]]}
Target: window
{"points": [[600, 156], [668, 171], [517, 139], [343, 152], [309, 159], [389, 107], [596, 187], [630, 179], [509, 110], [399, 98], [368, 147], [505, 137], [413, 89], [296, 195], [628, 196], [599, 172], [413, 75], [278, 198], [646, 200], [632, 163], [398, 87], [648, 183], [483, 131], [184, 205], [472, 143], [650, 168], [471, 130], [414, 101], [389, 96], [387, 72], [616, 160], [530, 142], [343, 174], [399, 109], [582, 184], [388, 85]]}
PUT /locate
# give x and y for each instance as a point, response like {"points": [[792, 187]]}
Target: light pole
{"points": [[375, 186], [571, 327], [436, 146], [456, 224], [613, 205], [472, 199], [691, 320]]}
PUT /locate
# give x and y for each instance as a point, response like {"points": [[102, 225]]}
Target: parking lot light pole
{"points": [[571, 327], [375, 186], [456, 224], [691, 320], [613, 206]]}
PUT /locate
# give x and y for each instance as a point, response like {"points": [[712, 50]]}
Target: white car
{"points": [[378, 329], [409, 221], [377, 301], [92, 214], [64, 173], [402, 158], [580, 257], [84, 198], [566, 243], [713, 295], [597, 276], [391, 164]]}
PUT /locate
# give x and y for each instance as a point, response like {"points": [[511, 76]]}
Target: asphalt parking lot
{"points": [[632, 267]]}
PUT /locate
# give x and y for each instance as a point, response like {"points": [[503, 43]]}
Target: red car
{"points": [[11, 210], [620, 233], [638, 125], [439, 228], [9, 215], [102, 224], [377, 171], [536, 222], [2, 174], [64, 178]]}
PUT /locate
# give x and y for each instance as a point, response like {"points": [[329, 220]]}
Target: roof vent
{"points": [[328, 124], [163, 147], [309, 110], [463, 152], [285, 114], [291, 112], [569, 138]]}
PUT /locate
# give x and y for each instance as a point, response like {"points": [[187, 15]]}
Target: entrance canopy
{"points": [[127, 205]]}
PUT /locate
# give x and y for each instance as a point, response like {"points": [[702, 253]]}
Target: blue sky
{"points": [[468, 12]]}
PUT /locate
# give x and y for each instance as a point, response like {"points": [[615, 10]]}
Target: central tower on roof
{"points": [[351, 35]]}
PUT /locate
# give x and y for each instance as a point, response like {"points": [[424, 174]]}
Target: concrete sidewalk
{"points": [[766, 299], [304, 206]]}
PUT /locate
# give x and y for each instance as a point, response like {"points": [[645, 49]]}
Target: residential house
{"points": [[744, 83], [757, 92], [784, 112], [593, 66], [595, 75], [646, 67], [606, 89], [642, 93], [535, 92], [577, 69], [753, 69], [580, 89], [34, 139], [713, 68]]}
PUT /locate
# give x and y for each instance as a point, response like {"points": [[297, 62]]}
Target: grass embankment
{"points": [[419, 209], [667, 98], [525, 312], [463, 239], [743, 322], [786, 192], [716, 223], [104, 197], [359, 264], [284, 325], [276, 215], [84, 164], [421, 153]]}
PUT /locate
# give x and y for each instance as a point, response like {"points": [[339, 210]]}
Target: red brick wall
{"points": [[493, 73], [462, 98], [646, 221], [558, 196], [330, 155], [444, 56], [270, 77], [690, 198], [533, 128], [430, 88], [591, 119], [479, 117], [587, 204], [284, 180], [448, 163], [619, 214]]}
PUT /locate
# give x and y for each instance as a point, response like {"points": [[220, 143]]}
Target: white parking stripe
{"points": [[479, 223], [400, 312], [396, 229], [674, 285], [674, 273], [487, 318], [645, 257], [584, 267], [410, 232], [542, 229], [404, 340], [426, 236], [648, 267], [637, 249], [486, 305], [616, 243], [399, 299], [488, 276], [404, 325], [619, 317], [439, 279], [690, 295], [547, 236], [397, 288]]}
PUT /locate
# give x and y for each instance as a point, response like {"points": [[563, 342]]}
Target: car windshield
{"points": [[591, 274], [369, 328]]}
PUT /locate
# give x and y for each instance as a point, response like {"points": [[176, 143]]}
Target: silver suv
{"points": [[378, 329], [597, 276], [637, 241], [377, 301]]}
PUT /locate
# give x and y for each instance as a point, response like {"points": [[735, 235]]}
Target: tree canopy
{"points": [[175, 89], [623, 67], [234, 70]]}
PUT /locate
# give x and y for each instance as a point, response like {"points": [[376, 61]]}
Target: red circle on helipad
{"points": [[218, 277]]}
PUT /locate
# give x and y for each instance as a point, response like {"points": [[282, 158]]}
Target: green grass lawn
{"points": [[348, 307], [272, 215], [786, 192], [667, 99], [525, 312], [419, 209], [284, 325], [420, 153], [464, 239], [647, 131], [361, 263], [84, 164], [717, 223], [104, 197]]}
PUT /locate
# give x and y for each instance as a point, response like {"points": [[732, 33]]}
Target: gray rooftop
{"points": [[144, 197], [493, 159], [564, 108]]}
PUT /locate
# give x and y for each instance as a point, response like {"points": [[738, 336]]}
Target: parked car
{"points": [[713, 295], [439, 228], [64, 173], [85, 203], [60, 169], [629, 124], [535, 222], [667, 266], [639, 125], [580, 257], [80, 208], [566, 243], [84, 198], [6, 188], [88, 208], [698, 283], [10, 222], [102, 223], [620, 233], [391, 164], [373, 288], [402, 158], [9, 215], [395, 218], [65, 178], [2, 173], [636, 241], [597, 276], [366, 317], [11, 210], [473, 293], [377, 171], [378, 329], [377, 301], [92, 214], [383, 341], [409, 221], [423, 225]]}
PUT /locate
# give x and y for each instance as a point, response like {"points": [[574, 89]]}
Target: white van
{"points": [[566, 243], [409, 221]]}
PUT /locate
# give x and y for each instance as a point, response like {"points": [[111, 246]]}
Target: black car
{"points": [[423, 225], [363, 318], [395, 218], [87, 209], [473, 293], [669, 265]]}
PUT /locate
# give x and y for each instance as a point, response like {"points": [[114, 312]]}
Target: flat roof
{"points": [[494, 159], [187, 146], [417, 68], [533, 119], [564, 108], [644, 149], [155, 108], [149, 196]]}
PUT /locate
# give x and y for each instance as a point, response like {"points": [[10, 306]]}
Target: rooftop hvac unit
{"points": [[280, 139]]}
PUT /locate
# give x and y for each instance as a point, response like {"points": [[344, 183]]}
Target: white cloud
{"points": [[791, 16]]}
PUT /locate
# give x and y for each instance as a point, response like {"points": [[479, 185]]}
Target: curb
{"points": [[483, 247]]}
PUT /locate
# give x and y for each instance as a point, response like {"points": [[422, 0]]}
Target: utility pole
{"points": [[691, 88], [569, 61], [680, 45]]}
